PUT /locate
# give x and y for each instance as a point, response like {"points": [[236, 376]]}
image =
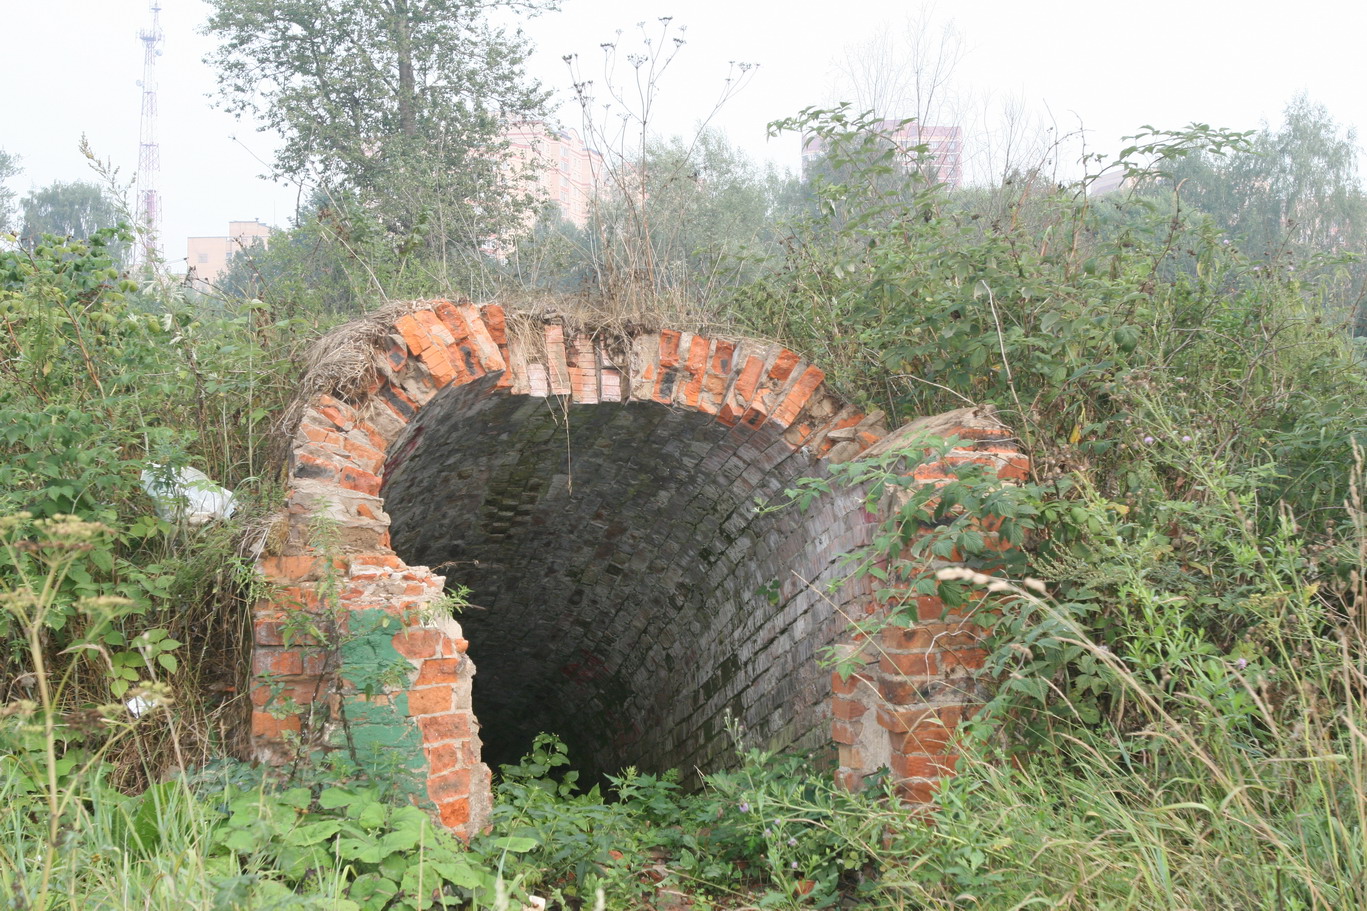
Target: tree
{"points": [[9, 167], [400, 102], [1295, 190], [77, 210]]}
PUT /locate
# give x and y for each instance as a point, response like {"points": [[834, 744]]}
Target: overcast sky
{"points": [[73, 67]]}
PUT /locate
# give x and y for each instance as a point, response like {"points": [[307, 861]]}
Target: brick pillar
{"points": [[918, 683]]}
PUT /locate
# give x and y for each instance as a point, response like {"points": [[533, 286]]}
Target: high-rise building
{"points": [[562, 165], [942, 158], [207, 258]]}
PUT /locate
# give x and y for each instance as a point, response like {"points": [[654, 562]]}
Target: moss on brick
{"points": [[384, 741]]}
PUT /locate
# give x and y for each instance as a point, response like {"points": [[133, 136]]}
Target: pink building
{"points": [[945, 148], [207, 258], [566, 170]]}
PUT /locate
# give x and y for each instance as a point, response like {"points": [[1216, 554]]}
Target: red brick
{"points": [[970, 659], [451, 785], [432, 700], [292, 569], [279, 663], [496, 322], [848, 687], [922, 765], [413, 333], [442, 758], [927, 737], [930, 635], [267, 726], [784, 365], [438, 670], [899, 721], [454, 813], [846, 709], [917, 664], [418, 644], [361, 481], [807, 384], [843, 732], [918, 791], [443, 728]]}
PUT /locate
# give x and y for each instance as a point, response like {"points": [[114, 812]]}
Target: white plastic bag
{"points": [[186, 495]]}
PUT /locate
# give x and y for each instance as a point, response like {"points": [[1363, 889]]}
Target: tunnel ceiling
{"points": [[626, 590]]}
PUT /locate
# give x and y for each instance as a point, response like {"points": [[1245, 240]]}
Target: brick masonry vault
{"points": [[600, 495]]}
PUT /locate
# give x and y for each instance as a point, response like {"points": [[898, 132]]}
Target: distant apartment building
{"points": [[562, 165], [942, 160], [207, 258]]}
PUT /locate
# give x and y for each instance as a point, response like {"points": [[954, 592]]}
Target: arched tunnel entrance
{"points": [[628, 588], [603, 496]]}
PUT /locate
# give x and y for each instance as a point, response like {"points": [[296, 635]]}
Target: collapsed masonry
{"points": [[601, 496]]}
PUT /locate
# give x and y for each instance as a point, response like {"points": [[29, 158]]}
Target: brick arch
{"points": [[353, 651]]}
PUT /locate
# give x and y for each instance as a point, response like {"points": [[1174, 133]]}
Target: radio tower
{"points": [[147, 253]]}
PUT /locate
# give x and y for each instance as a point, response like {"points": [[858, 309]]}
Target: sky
{"points": [[74, 66]]}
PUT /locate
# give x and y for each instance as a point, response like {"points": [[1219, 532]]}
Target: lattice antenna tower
{"points": [[149, 151]]}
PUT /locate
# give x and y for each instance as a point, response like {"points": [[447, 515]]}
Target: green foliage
{"points": [[76, 210], [398, 106], [9, 167]]}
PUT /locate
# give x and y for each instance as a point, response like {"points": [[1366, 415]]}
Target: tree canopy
{"points": [[77, 209], [401, 102]]}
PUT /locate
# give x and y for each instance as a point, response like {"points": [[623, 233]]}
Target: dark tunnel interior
{"points": [[626, 591]]}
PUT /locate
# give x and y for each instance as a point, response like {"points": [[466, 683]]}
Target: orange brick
{"points": [[418, 644], [282, 663], [922, 765], [843, 732], [495, 320], [784, 365], [927, 737], [455, 813], [437, 670], [442, 758], [846, 709], [451, 785], [669, 348], [413, 333], [917, 664], [361, 481], [792, 405], [748, 380], [439, 364], [432, 700], [453, 727], [298, 568], [268, 727]]}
